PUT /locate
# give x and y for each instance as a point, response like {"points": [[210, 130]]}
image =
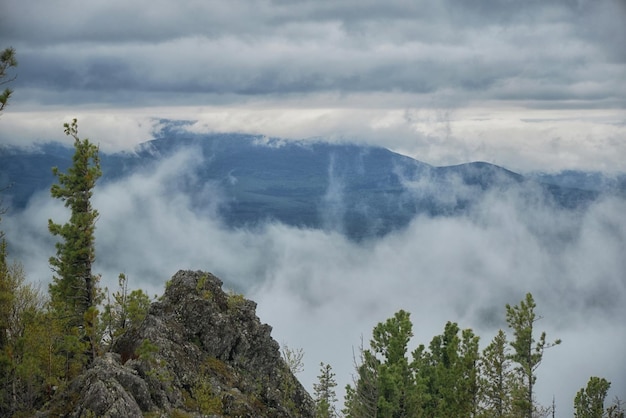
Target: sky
{"points": [[532, 86]]}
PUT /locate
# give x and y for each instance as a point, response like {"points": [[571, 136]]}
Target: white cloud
{"points": [[321, 291], [520, 139], [112, 131]]}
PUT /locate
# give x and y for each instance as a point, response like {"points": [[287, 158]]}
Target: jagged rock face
{"points": [[199, 352], [106, 389]]}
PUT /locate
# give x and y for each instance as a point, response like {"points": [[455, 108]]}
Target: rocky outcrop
{"points": [[199, 352]]}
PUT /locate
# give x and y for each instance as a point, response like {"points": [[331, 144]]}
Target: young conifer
{"points": [[325, 397], [527, 353], [74, 288], [589, 401]]}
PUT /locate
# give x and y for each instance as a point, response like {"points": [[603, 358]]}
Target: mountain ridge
{"points": [[361, 190]]}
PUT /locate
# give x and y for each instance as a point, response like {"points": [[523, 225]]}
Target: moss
{"points": [[219, 368], [204, 396], [235, 300], [200, 288], [288, 391], [208, 402], [147, 352], [257, 403], [188, 400]]}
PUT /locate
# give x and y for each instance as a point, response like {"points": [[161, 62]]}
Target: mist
{"points": [[323, 292]]}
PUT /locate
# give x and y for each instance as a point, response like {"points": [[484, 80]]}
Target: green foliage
{"points": [[361, 400], [7, 61], [287, 389], [293, 358], [449, 378], [200, 288], [495, 379], [589, 401], [219, 368], [28, 363], [137, 306], [74, 290], [22, 375], [33, 356], [396, 386], [527, 353], [127, 310], [235, 300], [204, 395], [293, 363], [324, 392], [177, 413], [385, 384], [449, 371], [7, 295], [208, 402], [147, 351], [390, 339]]}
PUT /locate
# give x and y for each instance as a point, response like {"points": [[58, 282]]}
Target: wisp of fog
{"points": [[323, 292]]}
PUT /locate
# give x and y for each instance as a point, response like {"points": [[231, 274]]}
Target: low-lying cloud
{"points": [[322, 292]]}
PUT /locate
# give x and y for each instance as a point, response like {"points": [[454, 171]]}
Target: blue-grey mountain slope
{"points": [[360, 190]]}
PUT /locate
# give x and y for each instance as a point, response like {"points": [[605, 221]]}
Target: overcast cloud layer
{"points": [[534, 85], [322, 292]]}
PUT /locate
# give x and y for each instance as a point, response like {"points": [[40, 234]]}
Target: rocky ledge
{"points": [[200, 352]]}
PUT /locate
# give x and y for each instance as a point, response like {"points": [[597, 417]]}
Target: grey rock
{"points": [[200, 352]]}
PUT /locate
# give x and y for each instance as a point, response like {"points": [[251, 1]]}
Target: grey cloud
{"points": [[539, 50]]}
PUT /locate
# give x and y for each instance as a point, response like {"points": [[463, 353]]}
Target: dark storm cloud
{"points": [[549, 50]]}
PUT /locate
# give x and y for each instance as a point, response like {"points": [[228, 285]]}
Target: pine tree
{"points": [[385, 385], [7, 60], [126, 311], [527, 353], [361, 399], [74, 289], [495, 379], [396, 384], [449, 370], [325, 397], [589, 401]]}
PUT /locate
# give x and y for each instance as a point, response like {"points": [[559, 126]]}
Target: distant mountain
{"points": [[359, 190], [595, 181]]}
